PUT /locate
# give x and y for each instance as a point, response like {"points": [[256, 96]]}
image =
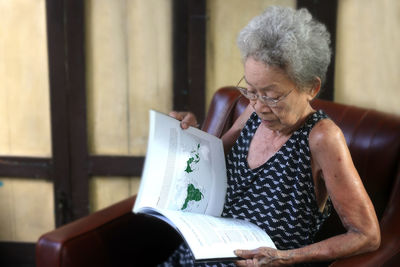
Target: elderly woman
{"points": [[290, 163]]}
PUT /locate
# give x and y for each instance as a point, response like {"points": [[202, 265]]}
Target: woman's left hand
{"points": [[263, 256]]}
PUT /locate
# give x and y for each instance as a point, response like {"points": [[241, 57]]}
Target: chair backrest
{"points": [[373, 138]]}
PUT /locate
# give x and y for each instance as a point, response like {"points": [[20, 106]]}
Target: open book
{"points": [[184, 183]]}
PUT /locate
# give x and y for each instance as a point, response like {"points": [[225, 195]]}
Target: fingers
{"points": [[247, 263], [262, 256], [177, 115], [187, 118], [246, 254]]}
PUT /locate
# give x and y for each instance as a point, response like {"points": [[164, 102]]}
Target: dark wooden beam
{"points": [[180, 34], [197, 57], [77, 103], [58, 78], [325, 12], [26, 167], [115, 166], [65, 34], [189, 34]]}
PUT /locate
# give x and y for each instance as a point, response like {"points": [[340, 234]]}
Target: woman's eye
{"points": [[272, 96]]}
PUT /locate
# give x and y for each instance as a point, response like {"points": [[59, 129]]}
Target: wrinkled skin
{"points": [[260, 257]]}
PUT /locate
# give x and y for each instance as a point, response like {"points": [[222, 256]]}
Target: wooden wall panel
{"points": [[129, 71], [107, 77], [24, 89], [367, 54], [110, 190], [26, 206], [224, 66], [150, 66]]}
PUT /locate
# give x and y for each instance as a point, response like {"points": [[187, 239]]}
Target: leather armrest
{"points": [[110, 237]]}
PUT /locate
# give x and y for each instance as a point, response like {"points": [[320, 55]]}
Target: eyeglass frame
{"points": [[269, 101]]}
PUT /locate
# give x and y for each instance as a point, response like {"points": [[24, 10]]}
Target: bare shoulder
{"points": [[242, 119], [233, 133], [326, 134], [330, 151]]}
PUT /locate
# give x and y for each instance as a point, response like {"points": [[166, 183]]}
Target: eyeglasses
{"points": [[269, 101]]}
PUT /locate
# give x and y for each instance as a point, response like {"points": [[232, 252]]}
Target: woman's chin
{"points": [[270, 124]]}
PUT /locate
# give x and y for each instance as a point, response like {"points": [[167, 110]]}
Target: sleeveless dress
{"points": [[278, 196]]}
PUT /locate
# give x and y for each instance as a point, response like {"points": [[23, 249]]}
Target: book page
{"points": [[184, 169], [189, 190], [211, 237]]}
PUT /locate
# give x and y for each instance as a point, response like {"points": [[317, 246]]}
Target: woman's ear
{"points": [[315, 88]]}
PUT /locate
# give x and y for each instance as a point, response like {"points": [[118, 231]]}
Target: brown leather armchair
{"points": [[116, 237]]}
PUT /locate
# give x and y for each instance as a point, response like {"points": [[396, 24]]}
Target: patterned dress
{"points": [[278, 196]]}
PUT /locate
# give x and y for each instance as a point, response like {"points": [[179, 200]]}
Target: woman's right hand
{"points": [[187, 118]]}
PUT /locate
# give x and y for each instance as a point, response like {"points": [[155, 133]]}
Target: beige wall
{"points": [[225, 19], [27, 209], [368, 52], [105, 191], [26, 206], [24, 90], [129, 71]]}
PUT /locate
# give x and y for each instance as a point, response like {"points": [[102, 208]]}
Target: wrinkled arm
{"points": [[230, 137], [346, 190], [350, 200]]}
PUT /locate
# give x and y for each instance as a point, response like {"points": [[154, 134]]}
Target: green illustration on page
{"points": [[193, 160], [193, 194]]}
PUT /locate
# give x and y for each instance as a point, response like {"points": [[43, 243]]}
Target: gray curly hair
{"points": [[289, 39]]}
